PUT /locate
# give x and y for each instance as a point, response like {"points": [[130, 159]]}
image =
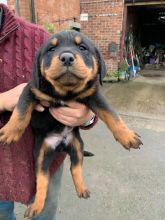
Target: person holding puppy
{"points": [[19, 42]]}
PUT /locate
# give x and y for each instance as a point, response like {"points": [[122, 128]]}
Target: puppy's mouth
{"points": [[68, 78]]}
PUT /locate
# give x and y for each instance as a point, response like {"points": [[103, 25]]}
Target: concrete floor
{"points": [[124, 185]]}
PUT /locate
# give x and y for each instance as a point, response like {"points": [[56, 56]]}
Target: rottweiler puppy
{"points": [[67, 67]]}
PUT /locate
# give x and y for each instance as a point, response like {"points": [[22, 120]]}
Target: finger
{"points": [[39, 108], [66, 120], [75, 105], [66, 111], [45, 103]]}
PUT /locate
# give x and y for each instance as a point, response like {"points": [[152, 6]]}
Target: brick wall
{"points": [[58, 12], [24, 8], [10, 4], [104, 26]]}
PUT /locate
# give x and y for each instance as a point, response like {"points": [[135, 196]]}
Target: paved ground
{"points": [[124, 185], [142, 95]]}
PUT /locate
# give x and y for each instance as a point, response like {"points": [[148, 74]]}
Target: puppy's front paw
{"points": [[10, 133], [128, 138]]}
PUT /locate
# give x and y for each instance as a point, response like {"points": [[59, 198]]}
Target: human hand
{"points": [[9, 99], [75, 114]]}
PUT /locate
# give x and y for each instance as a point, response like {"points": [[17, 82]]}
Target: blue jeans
{"points": [[50, 208], [7, 210]]}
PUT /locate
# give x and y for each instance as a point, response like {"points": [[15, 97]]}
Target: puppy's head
{"points": [[69, 60]]}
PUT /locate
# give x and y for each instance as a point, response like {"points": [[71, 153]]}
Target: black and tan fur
{"points": [[67, 67]]}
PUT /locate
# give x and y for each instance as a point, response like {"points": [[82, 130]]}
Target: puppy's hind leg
{"points": [[43, 158], [76, 156]]}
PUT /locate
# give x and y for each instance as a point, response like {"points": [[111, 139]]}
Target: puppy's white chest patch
{"points": [[54, 139]]}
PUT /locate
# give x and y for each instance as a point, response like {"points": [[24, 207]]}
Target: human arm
{"points": [[75, 114]]}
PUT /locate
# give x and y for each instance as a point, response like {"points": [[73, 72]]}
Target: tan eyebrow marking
{"points": [[54, 41], [78, 39]]}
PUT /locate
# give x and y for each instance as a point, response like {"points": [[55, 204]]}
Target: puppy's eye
{"points": [[82, 47]]}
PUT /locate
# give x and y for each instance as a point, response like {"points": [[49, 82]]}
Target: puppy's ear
{"points": [[101, 65], [36, 70]]}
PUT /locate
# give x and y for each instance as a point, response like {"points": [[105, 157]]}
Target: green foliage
{"points": [[49, 27], [113, 75], [123, 66], [119, 74]]}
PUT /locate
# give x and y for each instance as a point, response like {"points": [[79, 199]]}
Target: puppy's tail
{"points": [[88, 154]]}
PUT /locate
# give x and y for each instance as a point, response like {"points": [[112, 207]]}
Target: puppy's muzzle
{"points": [[67, 59]]}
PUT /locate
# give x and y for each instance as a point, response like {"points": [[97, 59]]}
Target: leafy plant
{"points": [[113, 75], [49, 27], [123, 66]]}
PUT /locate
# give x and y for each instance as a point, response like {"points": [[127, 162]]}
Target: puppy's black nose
{"points": [[67, 59]]}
